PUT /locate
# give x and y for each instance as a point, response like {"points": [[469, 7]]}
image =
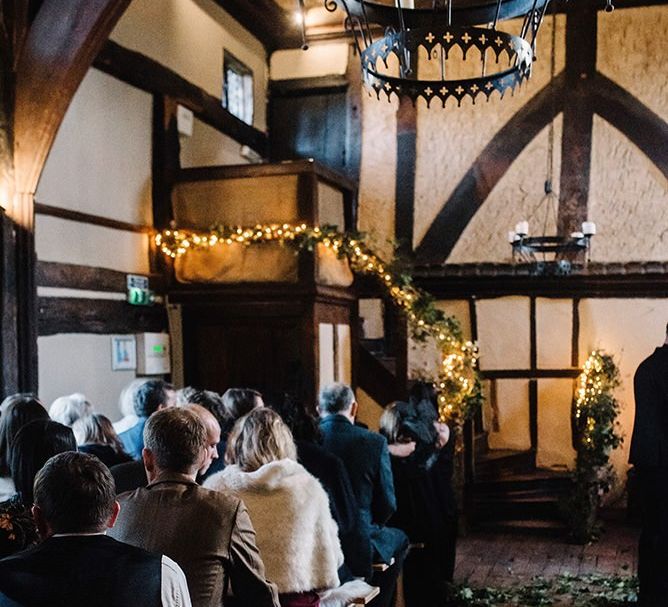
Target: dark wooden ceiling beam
{"points": [[148, 75], [268, 22]]}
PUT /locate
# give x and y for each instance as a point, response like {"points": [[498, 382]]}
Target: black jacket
{"points": [[81, 571], [649, 444]]}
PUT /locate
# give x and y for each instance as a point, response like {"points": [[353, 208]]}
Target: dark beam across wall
{"points": [[268, 22], [148, 75]]}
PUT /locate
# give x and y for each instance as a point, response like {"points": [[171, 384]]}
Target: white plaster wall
{"points": [[504, 333], [554, 331], [555, 445], [519, 195], [81, 363], [424, 357], [628, 200], [630, 330], [632, 50], [85, 171], [189, 36], [512, 416], [84, 244], [449, 140], [318, 60], [209, 147]]}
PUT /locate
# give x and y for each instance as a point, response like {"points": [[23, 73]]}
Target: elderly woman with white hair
{"points": [[68, 409], [289, 509]]}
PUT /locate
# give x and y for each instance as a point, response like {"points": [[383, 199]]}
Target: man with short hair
{"points": [[207, 532], [76, 564], [212, 436], [649, 456], [150, 397], [367, 460]]}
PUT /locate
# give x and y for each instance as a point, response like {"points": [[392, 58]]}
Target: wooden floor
{"points": [[503, 560]]}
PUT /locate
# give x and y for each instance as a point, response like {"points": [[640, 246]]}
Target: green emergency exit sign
{"points": [[138, 292]]}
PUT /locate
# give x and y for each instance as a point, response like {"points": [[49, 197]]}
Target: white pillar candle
{"points": [[512, 237], [522, 228], [589, 228], [577, 235]]}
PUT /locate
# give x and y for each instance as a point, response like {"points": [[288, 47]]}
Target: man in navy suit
{"points": [[649, 455], [367, 459]]}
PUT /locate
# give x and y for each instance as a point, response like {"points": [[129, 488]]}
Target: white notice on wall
{"points": [[123, 353]]}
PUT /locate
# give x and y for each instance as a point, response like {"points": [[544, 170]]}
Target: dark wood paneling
{"points": [[404, 211], [166, 163], [490, 166], [71, 276], [106, 317], [297, 87], [581, 42], [97, 220], [268, 22], [149, 75], [530, 373], [575, 338]]}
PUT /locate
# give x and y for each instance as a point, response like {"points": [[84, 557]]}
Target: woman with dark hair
{"points": [[426, 508], [95, 435], [32, 446], [17, 411]]}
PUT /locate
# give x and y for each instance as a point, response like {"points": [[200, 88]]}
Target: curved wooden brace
{"points": [[61, 44], [647, 130], [487, 170]]}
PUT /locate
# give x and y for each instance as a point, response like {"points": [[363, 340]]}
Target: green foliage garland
{"points": [[596, 434], [457, 381]]}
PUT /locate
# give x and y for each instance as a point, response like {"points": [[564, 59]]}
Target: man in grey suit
{"points": [[649, 455], [367, 459], [208, 533]]}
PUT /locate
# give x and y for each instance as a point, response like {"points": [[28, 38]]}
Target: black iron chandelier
{"points": [[548, 254], [467, 52]]}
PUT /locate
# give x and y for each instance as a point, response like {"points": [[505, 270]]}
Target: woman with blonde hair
{"points": [[95, 435], [295, 531]]}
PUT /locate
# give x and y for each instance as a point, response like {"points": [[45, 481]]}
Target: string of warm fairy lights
{"points": [[598, 378], [456, 381]]}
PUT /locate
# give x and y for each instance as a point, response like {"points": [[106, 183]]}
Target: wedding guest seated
{"points": [[367, 459], [327, 468], [77, 565], [68, 409], [33, 445], [95, 435], [421, 508], [213, 403], [296, 533], [18, 410], [126, 405], [208, 533], [151, 396], [212, 437]]}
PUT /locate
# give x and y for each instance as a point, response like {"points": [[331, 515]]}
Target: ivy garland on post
{"points": [[457, 381], [595, 435]]}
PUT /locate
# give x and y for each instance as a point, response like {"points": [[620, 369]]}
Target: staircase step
{"points": [[543, 528], [498, 462], [545, 508], [546, 480]]}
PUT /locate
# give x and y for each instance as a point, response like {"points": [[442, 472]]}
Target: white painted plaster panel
{"points": [[344, 353], [326, 353], [519, 195], [555, 446], [318, 60], [504, 333], [630, 330], [424, 357], [79, 243], [632, 51], [209, 147], [449, 140], [512, 416], [554, 330], [100, 162], [371, 313], [81, 363], [628, 200], [188, 36]]}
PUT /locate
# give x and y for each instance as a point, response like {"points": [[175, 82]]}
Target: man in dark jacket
{"points": [[649, 455], [207, 532], [76, 564], [367, 460]]}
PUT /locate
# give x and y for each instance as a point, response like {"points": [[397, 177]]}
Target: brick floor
{"points": [[500, 560]]}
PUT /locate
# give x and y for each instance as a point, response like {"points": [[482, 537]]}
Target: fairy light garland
{"points": [[457, 380]]}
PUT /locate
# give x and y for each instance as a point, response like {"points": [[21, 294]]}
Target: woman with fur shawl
{"points": [[288, 507]]}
